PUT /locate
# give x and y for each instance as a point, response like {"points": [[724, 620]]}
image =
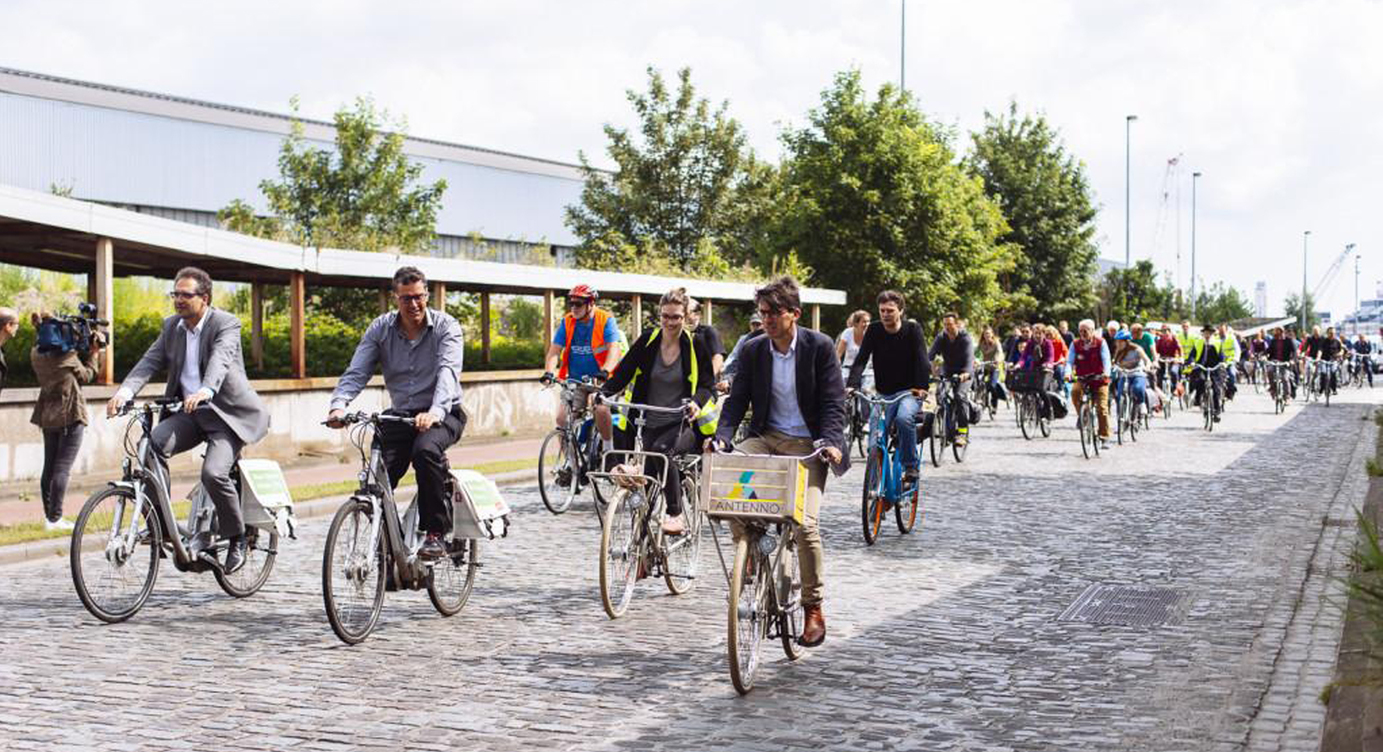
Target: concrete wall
{"points": [[498, 404]]}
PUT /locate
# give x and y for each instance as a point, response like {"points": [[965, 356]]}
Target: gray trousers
{"points": [[181, 432]]}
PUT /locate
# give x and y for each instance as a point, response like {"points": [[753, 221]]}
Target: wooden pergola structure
{"points": [[80, 237]]}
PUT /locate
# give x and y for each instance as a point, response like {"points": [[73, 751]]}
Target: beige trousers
{"points": [[809, 551]]}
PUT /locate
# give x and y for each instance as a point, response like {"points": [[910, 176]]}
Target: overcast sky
{"points": [[1272, 101]]}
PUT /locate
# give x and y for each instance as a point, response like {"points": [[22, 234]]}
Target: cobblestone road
{"points": [[946, 639]]}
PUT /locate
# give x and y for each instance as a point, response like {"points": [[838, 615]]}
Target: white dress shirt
{"points": [[191, 377]]}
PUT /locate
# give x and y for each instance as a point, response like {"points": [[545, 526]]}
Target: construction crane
{"points": [[1328, 278]]}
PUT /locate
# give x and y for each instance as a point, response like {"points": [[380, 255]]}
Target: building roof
{"points": [[53, 232]]}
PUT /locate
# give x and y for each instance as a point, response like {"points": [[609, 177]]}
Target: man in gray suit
{"points": [[199, 347]]}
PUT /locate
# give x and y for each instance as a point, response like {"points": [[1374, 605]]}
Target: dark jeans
{"points": [[400, 445], [180, 432], [666, 439], [60, 447]]}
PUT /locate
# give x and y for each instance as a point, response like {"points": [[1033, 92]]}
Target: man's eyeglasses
{"points": [[578, 303], [180, 295], [765, 313], [418, 299]]}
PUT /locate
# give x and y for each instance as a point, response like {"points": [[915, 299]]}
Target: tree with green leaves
{"points": [[675, 198], [1292, 308], [1045, 197], [875, 198], [1221, 304], [1134, 294], [364, 194]]}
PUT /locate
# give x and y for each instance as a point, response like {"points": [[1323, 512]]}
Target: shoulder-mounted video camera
{"points": [[67, 332]]}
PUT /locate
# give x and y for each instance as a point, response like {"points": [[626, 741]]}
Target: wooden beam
{"points": [[257, 324], [383, 300], [297, 306], [484, 327], [439, 296], [549, 326], [707, 309], [816, 317], [104, 297], [637, 327]]}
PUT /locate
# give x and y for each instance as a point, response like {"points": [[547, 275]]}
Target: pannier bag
{"points": [[478, 509], [264, 498], [1058, 405]]}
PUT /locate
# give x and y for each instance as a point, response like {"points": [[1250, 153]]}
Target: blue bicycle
{"points": [[883, 475]]}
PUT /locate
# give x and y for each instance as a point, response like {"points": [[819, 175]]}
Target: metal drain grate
{"points": [[1118, 604]]}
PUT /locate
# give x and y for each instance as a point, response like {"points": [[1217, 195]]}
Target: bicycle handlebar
{"points": [[364, 417], [647, 408], [148, 404], [877, 400]]}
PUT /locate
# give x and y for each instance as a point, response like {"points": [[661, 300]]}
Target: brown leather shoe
{"points": [[814, 628]]}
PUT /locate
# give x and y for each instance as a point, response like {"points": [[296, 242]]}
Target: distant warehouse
{"points": [[184, 159]]}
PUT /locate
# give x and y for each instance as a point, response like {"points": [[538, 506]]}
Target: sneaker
{"points": [[1104, 444], [910, 476], [675, 525], [962, 439], [58, 524]]}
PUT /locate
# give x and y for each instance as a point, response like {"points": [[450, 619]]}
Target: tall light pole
{"points": [[1349, 247], [1304, 236], [1128, 125], [1194, 177], [903, 48]]}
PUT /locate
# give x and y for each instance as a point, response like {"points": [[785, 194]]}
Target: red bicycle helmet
{"points": [[583, 291]]}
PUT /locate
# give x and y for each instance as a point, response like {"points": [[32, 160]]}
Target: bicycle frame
{"points": [[891, 468]]}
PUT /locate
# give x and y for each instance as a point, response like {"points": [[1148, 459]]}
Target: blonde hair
{"points": [[856, 316]]}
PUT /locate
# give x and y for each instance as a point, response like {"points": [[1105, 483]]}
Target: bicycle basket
{"points": [[1027, 381], [754, 486]]}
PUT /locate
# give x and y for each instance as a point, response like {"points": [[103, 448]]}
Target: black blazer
{"points": [[820, 391], [638, 364]]}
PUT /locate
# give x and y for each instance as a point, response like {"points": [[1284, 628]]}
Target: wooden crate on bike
{"points": [[753, 486]]}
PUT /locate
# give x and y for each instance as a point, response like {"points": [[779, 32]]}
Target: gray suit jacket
{"points": [[223, 371]]}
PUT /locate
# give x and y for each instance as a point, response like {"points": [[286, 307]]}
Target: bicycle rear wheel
{"points": [[620, 553], [557, 481], [452, 579], [787, 601], [112, 581], [871, 500], [684, 551], [909, 507], [353, 573], [746, 625], [261, 549]]}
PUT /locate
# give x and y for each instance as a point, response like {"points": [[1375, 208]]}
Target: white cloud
{"points": [[1274, 101]]}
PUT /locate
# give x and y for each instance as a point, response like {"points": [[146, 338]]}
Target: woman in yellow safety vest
{"points": [[665, 367]]}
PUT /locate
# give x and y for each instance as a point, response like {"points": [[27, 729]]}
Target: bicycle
{"points": [[569, 452], [1308, 379], [765, 580], [857, 423], [944, 429], [369, 546], [1326, 373], [632, 542], [1278, 385], [133, 518], [1087, 418], [1128, 411], [1169, 380], [989, 400], [1031, 412], [1212, 394], [883, 476]]}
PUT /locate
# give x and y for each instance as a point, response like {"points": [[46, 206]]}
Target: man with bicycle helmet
{"points": [[791, 379], [586, 343]]}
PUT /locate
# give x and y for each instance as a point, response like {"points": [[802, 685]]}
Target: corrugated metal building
{"points": [[184, 159]]}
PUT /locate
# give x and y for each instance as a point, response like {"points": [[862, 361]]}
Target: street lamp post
{"points": [[1349, 247], [903, 48], [1194, 177], [1128, 125], [1304, 236]]}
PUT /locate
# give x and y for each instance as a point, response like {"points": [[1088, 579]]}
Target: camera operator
{"points": [[62, 363], [9, 325]]}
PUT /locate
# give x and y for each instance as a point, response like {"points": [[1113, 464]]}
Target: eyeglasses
{"points": [[671, 316], [180, 295], [578, 303], [418, 299], [765, 313]]}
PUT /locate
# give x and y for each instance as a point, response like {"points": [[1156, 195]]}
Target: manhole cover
{"points": [[1118, 604]]}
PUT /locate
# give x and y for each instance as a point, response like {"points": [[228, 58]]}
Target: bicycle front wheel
{"points": [[871, 500], [115, 577], [1025, 417], [261, 549], [683, 559], [1087, 436], [787, 601], [452, 579], [620, 553], [747, 623], [936, 437], [557, 481], [353, 569]]}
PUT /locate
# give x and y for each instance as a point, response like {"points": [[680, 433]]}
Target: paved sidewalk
{"points": [[310, 471], [951, 638]]}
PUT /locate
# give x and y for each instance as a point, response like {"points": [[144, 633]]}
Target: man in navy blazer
{"points": [[792, 379]]}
